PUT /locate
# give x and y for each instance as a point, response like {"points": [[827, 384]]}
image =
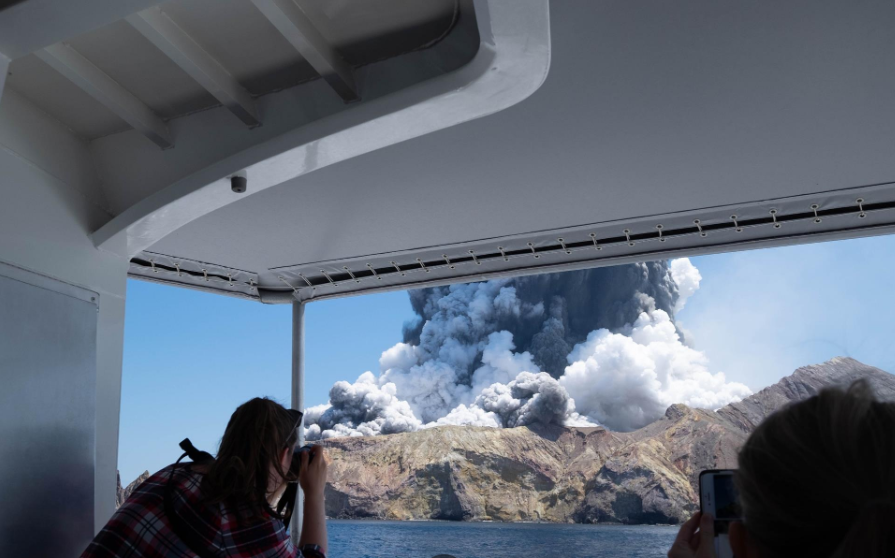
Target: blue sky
{"points": [[761, 314], [191, 358]]}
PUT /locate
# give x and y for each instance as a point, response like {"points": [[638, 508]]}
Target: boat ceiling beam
{"points": [[189, 55], [99, 85], [31, 25], [293, 23]]}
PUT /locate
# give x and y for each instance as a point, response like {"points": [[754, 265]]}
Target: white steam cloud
{"points": [[626, 380], [460, 363], [687, 279]]}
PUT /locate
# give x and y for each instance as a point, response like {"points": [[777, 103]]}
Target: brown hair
{"points": [[818, 478], [257, 433]]}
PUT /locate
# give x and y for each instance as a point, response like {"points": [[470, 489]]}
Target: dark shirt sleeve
{"points": [[311, 551]]}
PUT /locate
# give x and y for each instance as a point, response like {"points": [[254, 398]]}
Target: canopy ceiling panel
{"points": [[495, 54], [264, 64], [174, 98], [768, 123], [358, 29], [393, 143], [126, 56], [239, 37], [62, 100]]}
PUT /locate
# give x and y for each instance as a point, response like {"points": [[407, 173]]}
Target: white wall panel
{"points": [[47, 211], [47, 415]]}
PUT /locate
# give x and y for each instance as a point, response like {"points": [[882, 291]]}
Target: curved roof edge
{"points": [[511, 64], [822, 216]]}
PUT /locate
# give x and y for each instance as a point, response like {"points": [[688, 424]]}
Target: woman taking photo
{"points": [[815, 479], [225, 507]]}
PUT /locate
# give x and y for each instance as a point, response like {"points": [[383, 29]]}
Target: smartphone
{"points": [[718, 496]]}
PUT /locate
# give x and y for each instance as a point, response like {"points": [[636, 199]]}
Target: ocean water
{"points": [[426, 539]]}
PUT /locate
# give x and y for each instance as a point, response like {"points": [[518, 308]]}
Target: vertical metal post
{"points": [[298, 399], [4, 67]]}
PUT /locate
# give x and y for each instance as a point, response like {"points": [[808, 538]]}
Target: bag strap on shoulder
{"points": [[178, 525]]}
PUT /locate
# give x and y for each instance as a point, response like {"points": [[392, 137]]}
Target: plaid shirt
{"points": [[140, 529]]}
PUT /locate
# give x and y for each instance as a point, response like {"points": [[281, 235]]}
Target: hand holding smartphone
{"points": [[718, 496]]}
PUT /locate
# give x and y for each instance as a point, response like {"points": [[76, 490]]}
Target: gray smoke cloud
{"points": [[363, 408], [507, 353], [547, 315]]}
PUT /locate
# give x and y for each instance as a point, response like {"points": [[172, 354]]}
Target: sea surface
{"points": [[426, 539]]}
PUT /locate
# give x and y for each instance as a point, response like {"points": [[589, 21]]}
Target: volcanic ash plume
{"points": [[364, 408], [546, 314], [508, 353]]}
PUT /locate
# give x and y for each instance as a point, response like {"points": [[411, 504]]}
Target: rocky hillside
{"points": [[122, 493], [550, 473], [802, 384]]}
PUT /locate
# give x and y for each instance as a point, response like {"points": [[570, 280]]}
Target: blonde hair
{"points": [[818, 477]]}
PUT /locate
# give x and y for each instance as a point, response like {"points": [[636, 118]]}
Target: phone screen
{"points": [[727, 505], [718, 496]]}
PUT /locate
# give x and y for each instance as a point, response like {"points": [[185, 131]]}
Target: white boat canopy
{"points": [[628, 131], [293, 150]]}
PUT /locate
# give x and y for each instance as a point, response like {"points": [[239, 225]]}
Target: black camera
{"points": [[295, 468]]}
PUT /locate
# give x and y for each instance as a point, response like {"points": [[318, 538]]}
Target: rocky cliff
{"points": [[549, 473], [802, 384], [122, 494]]}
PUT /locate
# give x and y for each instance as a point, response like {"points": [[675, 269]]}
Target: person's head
{"points": [[818, 479], [255, 455]]}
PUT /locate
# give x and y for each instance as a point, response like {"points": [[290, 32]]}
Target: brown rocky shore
{"points": [[557, 474]]}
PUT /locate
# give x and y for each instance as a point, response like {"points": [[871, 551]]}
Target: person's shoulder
{"points": [[181, 471], [154, 480], [183, 477]]}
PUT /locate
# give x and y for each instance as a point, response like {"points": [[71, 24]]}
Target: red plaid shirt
{"points": [[140, 529]]}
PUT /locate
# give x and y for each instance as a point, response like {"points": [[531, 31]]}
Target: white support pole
{"points": [[4, 68], [298, 399], [183, 50], [292, 22], [96, 83]]}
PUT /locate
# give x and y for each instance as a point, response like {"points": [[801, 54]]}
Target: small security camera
{"points": [[238, 184]]}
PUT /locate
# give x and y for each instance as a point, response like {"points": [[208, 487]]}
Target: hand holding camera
{"points": [[309, 464]]}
